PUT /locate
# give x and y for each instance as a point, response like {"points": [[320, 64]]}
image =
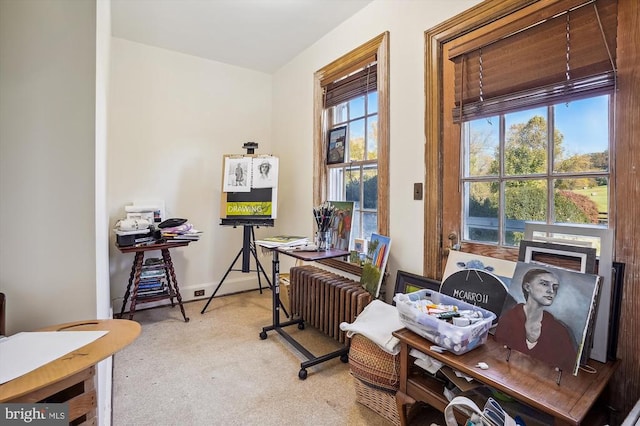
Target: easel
{"points": [[556, 369], [248, 249], [248, 245]]}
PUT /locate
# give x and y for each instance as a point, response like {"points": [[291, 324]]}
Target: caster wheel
{"points": [[344, 358], [300, 326], [302, 374], [263, 335], [187, 320]]}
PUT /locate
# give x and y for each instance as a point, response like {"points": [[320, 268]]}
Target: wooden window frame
{"points": [[378, 49], [626, 382], [438, 120]]}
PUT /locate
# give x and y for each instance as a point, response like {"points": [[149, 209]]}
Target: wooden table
{"points": [[70, 378], [522, 377], [136, 269], [308, 256]]}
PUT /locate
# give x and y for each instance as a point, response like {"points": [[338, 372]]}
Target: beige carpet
{"points": [[215, 370]]}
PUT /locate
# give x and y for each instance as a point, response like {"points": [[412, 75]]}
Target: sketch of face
{"points": [[264, 169], [542, 288]]}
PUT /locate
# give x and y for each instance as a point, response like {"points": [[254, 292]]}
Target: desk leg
{"points": [[275, 307], [167, 261], [276, 289], [278, 327], [127, 293], [137, 269], [402, 400]]}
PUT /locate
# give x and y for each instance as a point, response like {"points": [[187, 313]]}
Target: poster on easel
{"points": [[249, 187]]}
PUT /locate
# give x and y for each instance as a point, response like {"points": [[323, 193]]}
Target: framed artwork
{"points": [[581, 258], [407, 282], [574, 257], [459, 260], [602, 240], [616, 309], [341, 224], [336, 145], [375, 263], [360, 245], [479, 280], [547, 314]]}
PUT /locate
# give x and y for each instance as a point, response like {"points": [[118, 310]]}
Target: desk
{"points": [[136, 270], [523, 378], [71, 378], [308, 256]]}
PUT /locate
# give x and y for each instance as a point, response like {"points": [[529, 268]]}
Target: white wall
{"points": [[172, 117], [293, 114], [47, 146]]}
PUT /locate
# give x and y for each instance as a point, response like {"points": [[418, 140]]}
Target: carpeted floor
{"points": [[216, 370]]}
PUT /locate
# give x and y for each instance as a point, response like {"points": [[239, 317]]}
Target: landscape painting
{"points": [[375, 263]]}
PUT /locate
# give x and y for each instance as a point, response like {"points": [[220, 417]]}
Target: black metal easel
{"points": [[248, 245], [248, 249]]}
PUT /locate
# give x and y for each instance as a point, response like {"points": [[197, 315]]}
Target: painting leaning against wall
{"points": [[375, 263]]}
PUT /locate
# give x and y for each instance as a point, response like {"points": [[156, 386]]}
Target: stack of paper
{"points": [[282, 241], [23, 352], [184, 232]]}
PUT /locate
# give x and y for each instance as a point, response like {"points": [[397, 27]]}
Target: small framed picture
{"points": [[580, 258], [336, 145], [408, 283], [360, 245]]}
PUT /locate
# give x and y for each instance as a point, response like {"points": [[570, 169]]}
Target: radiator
{"points": [[324, 299]]}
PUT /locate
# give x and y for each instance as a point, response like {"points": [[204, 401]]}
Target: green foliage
{"points": [[525, 155], [371, 249], [575, 208], [370, 274], [370, 191], [482, 207], [526, 203], [599, 195], [530, 203], [370, 278], [600, 160], [526, 148]]}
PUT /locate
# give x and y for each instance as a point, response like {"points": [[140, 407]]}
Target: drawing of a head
{"points": [[541, 285]]}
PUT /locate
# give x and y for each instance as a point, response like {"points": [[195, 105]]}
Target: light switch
{"points": [[417, 191]]}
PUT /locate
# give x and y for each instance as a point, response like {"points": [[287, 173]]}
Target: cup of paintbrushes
{"points": [[323, 240]]}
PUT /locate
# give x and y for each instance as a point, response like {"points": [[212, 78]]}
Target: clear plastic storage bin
{"points": [[457, 339]]}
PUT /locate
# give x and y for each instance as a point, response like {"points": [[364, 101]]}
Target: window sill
{"points": [[342, 265]]}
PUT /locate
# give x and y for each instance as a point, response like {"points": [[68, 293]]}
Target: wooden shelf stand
{"points": [[525, 379], [133, 287]]}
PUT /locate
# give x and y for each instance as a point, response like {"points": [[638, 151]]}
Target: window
{"points": [[353, 92], [545, 164], [356, 179], [508, 65]]}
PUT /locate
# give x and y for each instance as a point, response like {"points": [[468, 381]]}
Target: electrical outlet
{"points": [[198, 293]]}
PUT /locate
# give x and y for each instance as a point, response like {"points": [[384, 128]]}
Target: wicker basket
{"points": [[382, 402], [376, 377], [285, 291], [375, 367]]}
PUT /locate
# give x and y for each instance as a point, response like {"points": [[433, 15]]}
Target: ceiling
{"points": [[262, 35]]}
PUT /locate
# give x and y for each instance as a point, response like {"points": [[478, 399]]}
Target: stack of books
{"points": [[283, 241], [185, 232], [153, 279]]}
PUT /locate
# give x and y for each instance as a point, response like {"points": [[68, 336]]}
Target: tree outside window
{"points": [[512, 174]]}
